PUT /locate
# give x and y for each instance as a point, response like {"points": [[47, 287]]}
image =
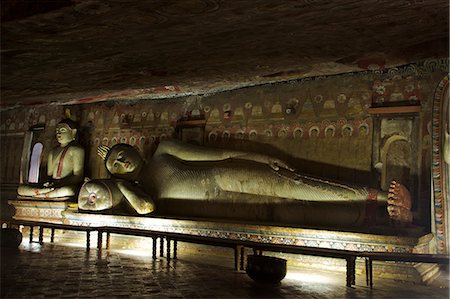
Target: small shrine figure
{"points": [[65, 168]]}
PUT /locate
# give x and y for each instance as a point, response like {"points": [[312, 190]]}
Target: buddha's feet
{"points": [[399, 205]]}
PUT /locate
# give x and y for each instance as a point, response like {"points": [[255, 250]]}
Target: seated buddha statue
{"points": [[180, 172], [65, 167]]}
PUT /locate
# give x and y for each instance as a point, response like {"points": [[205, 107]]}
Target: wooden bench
{"points": [[240, 245], [237, 245], [53, 227], [155, 235], [348, 255], [171, 238], [400, 257]]}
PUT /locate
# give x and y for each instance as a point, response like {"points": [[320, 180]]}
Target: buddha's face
{"points": [[123, 160], [65, 134]]}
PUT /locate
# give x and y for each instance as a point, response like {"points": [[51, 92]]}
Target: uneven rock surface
{"points": [[118, 49]]}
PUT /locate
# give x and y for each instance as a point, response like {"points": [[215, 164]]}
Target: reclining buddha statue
{"points": [[223, 182], [65, 168]]}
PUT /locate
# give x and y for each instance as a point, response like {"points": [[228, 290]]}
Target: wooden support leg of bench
{"points": [[237, 251], [100, 242], [31, 234], [154, 239], [88, 240], [161, 246], [351, 264], [168, 249], [366, 259], [369, 273], [41, 235], [52, 235], [108, 240], [175, 249], [242, 261]]}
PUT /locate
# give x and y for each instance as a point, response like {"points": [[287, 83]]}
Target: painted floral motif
{"points": [[341, 98], [379, 88]]}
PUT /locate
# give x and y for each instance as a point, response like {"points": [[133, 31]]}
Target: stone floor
{"points": [[66, 269]]}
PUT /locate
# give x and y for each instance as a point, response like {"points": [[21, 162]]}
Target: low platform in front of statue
{"points": [[374, 239]]}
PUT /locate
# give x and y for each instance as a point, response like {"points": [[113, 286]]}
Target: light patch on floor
{"points": [[308, 277]]}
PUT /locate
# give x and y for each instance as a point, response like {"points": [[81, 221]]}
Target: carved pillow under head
{"points": [[99, 195]]}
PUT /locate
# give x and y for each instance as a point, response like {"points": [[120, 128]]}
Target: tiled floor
{"points": [[65, 269]]}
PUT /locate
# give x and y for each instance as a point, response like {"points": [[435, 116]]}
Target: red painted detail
{"points": [[61, 162], [371, 207]]}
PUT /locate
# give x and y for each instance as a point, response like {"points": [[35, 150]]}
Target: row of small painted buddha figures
{"points": [[184, 172]]}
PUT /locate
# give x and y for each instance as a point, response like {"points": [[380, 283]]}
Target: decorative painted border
{"points": [[420, 68], [51, 212], [440, 206]]}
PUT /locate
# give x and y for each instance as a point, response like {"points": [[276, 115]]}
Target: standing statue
{"points": [[179, 171], [65, 167]]}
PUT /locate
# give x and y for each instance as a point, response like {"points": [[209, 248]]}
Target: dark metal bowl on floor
{"points": [[266, 269], [10, 238]]}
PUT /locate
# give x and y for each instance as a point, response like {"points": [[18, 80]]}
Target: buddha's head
{"points": [[66, 131], [124, 161]]}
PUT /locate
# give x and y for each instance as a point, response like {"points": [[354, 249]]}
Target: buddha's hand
{"points": [[42, 191], [276, 164], [102, 151], [48, 184]]}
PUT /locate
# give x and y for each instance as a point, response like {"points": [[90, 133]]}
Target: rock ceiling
{"points": [[96, 50]]}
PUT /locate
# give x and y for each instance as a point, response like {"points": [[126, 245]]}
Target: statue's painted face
{"points": [[123, 160], [64, 134]]}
